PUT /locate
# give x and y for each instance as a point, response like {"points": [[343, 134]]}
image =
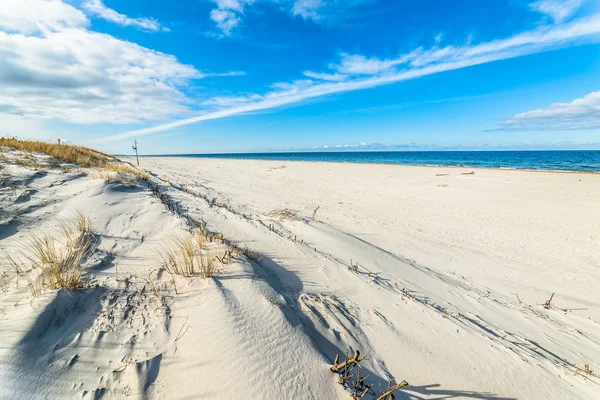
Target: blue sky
{"points": [[204, 76]]}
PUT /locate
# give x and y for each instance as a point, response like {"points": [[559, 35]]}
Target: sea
{"points": [[550, 160]]}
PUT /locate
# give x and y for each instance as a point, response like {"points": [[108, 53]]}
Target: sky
{"points": [[215, 76]]}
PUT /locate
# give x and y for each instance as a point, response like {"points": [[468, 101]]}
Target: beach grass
{"points": [[54, 260], [187, 255], [79, 155]]}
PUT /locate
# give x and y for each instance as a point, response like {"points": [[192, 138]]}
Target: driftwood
{"points": [[349, 373], [390, 390], [340, 366]]}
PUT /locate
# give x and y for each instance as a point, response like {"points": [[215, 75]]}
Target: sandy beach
{"points": [[443, 277], [526, 232]]}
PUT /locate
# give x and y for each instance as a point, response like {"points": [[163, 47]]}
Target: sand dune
{"points": [[439, 277]]}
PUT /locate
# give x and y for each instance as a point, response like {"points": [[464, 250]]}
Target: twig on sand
{"points": [[314, 217], [548, 303]]}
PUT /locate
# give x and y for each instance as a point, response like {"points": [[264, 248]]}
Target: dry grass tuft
{"points": [[59, 268], [108, 176], [187, 255], [178, 257], [84, 222], [56, 261], [285, 213], [245, 251]]}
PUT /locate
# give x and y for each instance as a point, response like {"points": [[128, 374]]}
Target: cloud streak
{"points": [[361, 72], [558, 10], [97, 8]]}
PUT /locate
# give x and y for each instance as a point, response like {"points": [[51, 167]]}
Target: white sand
{"points": [[433, 301]]}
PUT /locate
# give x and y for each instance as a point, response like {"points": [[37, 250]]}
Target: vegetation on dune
{"points": [[79, 155], [188, 255], [66, 152], [55, 261]]}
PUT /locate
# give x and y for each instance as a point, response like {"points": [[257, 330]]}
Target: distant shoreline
{"points": [[560, 161]]}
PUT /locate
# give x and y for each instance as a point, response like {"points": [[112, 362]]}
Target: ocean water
{"points": [[564, 160]]}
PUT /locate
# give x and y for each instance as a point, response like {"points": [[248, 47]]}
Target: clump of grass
{"points": [[108, 176], [179, 257], [187, 255], [59, 268], [245, 251], [84, 222], [285, 213], [28, 162], [56, 260]]}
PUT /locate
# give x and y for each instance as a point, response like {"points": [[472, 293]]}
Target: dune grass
{"points": [[79, 155], [187, 255], [110, 176], [66, 152], [84, 222], [55, 260]]}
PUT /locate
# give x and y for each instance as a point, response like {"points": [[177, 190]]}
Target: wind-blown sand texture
{"points": [[439, 277]]}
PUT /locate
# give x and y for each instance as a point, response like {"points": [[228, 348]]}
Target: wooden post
{"points": [[135, 147]]}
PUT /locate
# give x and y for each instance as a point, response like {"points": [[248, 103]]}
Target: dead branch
{"points": [[350, 377], [337, 366], [391, 389]]}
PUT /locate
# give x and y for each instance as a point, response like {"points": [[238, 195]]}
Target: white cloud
{"points": [[228, 14], [558, 10], [236, 5], [35, 16], [325, 76], [52, 67], [226, 20], [85, 77], [307, 9], [97, 7], [363, 72], [583, 113]]}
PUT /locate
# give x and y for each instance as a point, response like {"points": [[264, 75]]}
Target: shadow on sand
{"points": [[290, 286]]}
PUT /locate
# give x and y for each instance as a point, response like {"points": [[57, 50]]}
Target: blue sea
{"points": [[563, 160]]}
